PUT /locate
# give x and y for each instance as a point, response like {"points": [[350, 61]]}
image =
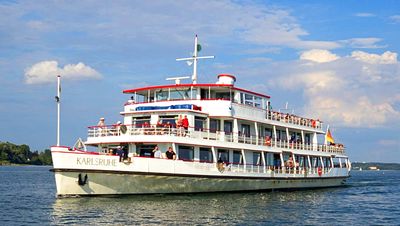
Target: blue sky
{"points": [[333, 60]]}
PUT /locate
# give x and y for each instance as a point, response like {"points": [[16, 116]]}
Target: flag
{"points": [[329, 137], [198, 47]]}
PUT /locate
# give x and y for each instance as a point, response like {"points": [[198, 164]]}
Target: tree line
{"points": [[21, 154]]}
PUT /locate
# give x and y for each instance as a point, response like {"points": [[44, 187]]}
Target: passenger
{"points": [[157, 152], [290, 163], [170, 154], [120, 153], [268, 140], [146, 128], [101, 122], [115, 129], [110, 152], [179, 125], [100, 127], [159, 126], [167, 127], [185, 124]]}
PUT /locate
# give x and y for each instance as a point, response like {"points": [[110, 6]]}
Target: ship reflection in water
{"points": [[217, 208]]}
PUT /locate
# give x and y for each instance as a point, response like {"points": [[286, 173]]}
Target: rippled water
{"points": [[27, 196]]}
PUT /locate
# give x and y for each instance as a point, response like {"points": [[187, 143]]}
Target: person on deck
{"points": [[185, 124], [170, 154], [157, 152]]}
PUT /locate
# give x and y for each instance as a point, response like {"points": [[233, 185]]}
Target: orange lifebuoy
{"points": [[319, 171], [268, 141]]}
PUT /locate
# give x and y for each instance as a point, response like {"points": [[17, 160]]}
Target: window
{"points": [[228, 127], [307, 138], [257, 158], [223, 155], [258, 102], [204, 94], [138, 122], [268, 132], [179, 94], [169, 118], [336, 163], [245, 130], [214, 125], [206, 155], [194, 94], [237, 157], [277, 160], [269, 159], [145, 150], [224, 95], [199, 123], [162, 95], [186, 153], [248, 99]]}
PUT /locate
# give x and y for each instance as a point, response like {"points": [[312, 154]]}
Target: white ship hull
{"points": [[103, 183], [107, 176]]}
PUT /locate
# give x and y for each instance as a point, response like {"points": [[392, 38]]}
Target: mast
{"points": [[193, 60], [58, 108]]}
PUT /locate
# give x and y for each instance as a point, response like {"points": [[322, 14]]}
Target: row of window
{"points": [[186, 153]]}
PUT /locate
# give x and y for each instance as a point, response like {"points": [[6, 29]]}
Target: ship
{"points": [[195, 138]]}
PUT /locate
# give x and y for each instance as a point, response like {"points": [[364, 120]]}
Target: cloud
{"points": [[395, 18], [318, 55], [362, 43], [365, 15], [386, 58], [360, 90], [46, 72]]}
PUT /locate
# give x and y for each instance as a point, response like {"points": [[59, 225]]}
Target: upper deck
{"points": [[221, 99]]}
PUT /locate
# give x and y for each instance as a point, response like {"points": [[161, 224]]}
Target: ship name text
{"points": [[96, 162]]}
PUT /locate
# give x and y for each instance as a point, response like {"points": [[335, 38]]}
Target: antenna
{"points": [[177, 79], [194, 58], [286, 109]]}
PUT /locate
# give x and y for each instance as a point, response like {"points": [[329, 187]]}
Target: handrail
{"points": [[191, 132]]}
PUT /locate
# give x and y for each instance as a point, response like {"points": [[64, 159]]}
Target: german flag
{"points": [[329, 137]]}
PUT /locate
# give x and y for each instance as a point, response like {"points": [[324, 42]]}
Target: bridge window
{"points": [[162, 95]]}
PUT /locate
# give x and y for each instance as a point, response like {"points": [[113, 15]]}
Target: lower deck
{"points": [[87, 173]]}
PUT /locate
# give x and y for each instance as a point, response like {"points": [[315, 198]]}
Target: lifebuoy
{"points": [[319, 171], [268, 141], [123, 129], [221, 167]]}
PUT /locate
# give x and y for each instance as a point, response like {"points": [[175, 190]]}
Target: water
{"points": [[27, 197]]}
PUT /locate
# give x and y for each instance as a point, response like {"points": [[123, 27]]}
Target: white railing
{"points": [[293, 119], [128, 130]]}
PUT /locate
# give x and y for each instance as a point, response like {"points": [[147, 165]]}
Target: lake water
{"points": [[27, 197]]}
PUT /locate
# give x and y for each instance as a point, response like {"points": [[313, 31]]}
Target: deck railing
{"points": [[293, 119], [130, 130]]}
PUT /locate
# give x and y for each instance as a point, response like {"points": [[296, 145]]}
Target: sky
{"points": [[332, 60]]}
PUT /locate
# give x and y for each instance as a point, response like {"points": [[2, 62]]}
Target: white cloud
{"points": [[360, 90], [46, 72], [386, 58], [365, 15], [395, 18], [363, 43], [319, 56]]}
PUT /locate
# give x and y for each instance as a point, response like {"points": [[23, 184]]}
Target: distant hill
{"points": [[21, 154], [380, 166]]}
